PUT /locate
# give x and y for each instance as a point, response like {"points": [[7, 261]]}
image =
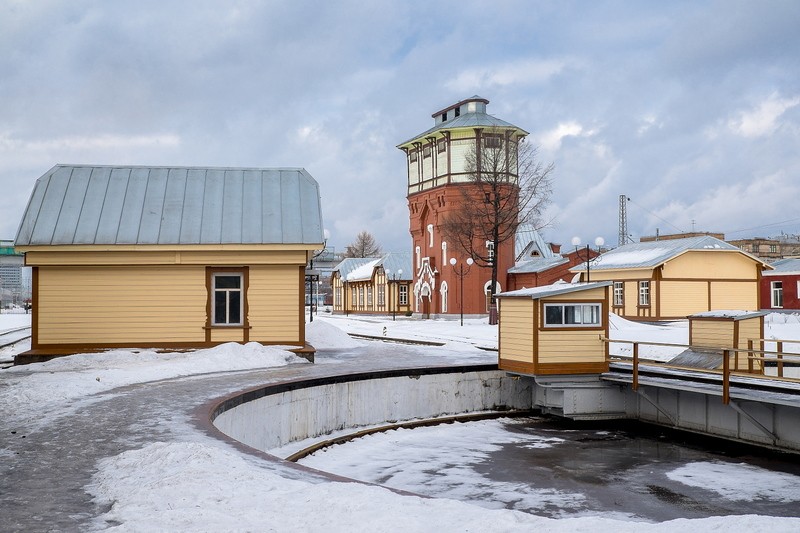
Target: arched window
{"points": [[488, 293], [443, 292]]}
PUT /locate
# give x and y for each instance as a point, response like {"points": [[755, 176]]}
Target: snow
{"points": [[363, 272], [630, 258], [726, 480], [197, 483]]}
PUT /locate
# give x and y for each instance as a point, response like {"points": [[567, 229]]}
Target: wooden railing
{"points": [[753, 354]]}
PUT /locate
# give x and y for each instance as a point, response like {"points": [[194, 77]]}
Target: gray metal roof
{"points": [[467, 120], [555, 289], [349, 264], [527, 240], [363, 268], [653, 253], [784, 266], [536, 265], [82, 204]]}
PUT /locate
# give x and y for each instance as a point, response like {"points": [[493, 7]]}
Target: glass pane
{"points": [[219, 307], [591, 314], [572, 314], [234, 307], [553, 314], [227, 282]]}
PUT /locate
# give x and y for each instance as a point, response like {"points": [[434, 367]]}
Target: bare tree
{"points": [[365, 245], [506, 186]]}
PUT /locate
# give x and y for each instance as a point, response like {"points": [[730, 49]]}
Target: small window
{"points": [[776, 294], [369, 295], [426, 151], [412, 156], [773, 248], [572, 315], [619, 294], [403, 292], [381, 295], [227, 301], [444, 117], [644, 294], [457, 112], [492, 140], [441, 146]]}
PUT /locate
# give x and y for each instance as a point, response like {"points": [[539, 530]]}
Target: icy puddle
{"points": [[558, 470]]}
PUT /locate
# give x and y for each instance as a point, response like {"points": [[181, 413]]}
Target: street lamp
{"points": [[576, 241], [395, 276], [460, 272]]}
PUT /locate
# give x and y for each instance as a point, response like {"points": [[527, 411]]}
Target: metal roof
{"points": [[467, 120], [363, 268], [83, 204], [537, 264], [653, 253], [784, 266], [555, 289], [349, 264], [527, 239]]}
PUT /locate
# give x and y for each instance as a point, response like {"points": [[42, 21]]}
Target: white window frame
{"points": [[644, 293], [444, 291], [369, 295], [776, 294], [402, 295], [573, 315], [227, 291], [381, 295], [619, 294]]}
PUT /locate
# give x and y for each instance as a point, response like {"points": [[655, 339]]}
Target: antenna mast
{"points": [[623, 219]]}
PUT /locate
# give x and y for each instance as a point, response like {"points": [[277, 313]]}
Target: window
{"points": [[492, 140], [227, 299], [619, 294], [381, 295], [457, 112], [441, 146], [369, 295], [644, 294], [773, 248], [776, 294], [490, 251], [443, 289], [444, 116], [361, 296], [571, 315], [412, 156], [337, 297], [403, 292], [426, 151], [353, 297]]}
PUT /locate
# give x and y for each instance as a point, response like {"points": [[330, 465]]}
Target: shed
{"points": [[554, 329], [168, 257], [724, 329]]}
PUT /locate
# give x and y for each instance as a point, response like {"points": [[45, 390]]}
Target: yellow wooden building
{"points": [[729, 329], [671, 279], [554, 329], [168, 257], [373, 285]]}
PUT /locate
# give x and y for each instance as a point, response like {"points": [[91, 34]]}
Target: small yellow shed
{"points": [[554, 329], [168, 257], [729, 329]]}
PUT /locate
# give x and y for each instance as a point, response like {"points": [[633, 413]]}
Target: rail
{"points": [[753, 354]]}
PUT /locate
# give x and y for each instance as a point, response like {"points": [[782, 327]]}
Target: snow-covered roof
{"points": [[362, 268], [654, 253], [783, 267], [537, 264], [729, 314], [527, 240], [555, 289], [113, 205]]}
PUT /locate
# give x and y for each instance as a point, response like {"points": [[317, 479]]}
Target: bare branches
{"points": [[365, 245]]}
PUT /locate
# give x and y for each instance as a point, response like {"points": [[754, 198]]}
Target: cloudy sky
{"points": [[691, 109]]}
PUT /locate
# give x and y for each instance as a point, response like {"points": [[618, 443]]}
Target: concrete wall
{"points": [[278, 415]]}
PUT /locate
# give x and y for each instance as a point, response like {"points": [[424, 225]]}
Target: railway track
{"points": [[9, 338]]}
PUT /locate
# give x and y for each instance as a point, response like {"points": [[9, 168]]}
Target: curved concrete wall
{"points": [[287, 412]]}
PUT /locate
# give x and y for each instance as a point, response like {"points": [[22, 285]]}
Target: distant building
{"points": [[674, 278], [168, 257], [373, 285], [687, 235], [437, 173], [767, 249], [780, 286], [14, 276]]}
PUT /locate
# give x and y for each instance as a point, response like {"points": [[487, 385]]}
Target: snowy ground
{"points": [[195, 483]]}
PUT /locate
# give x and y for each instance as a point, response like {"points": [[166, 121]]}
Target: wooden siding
{"points": [[714, 264], [712, 333], [121, 305], [571, 346], [274, 297], [166, 256], [516, 329], [683, 298], [734, 295]]}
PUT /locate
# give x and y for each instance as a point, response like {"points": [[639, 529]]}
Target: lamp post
{"points": [[395, 276], [461, 272], [599, 242]]}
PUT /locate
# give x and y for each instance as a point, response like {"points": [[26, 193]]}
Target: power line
{"points": [[658, 217], [764, 226]]}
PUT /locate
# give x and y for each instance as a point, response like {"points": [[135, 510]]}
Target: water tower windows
{"points": [[412, 156], [492, 140], [444, 116], [457, 112], [426, 151], [441, 145]]}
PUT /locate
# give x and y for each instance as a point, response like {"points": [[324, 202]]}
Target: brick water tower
{"points": [[444, 167]]}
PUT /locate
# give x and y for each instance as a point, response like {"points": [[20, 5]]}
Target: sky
{"points": [[689, 108]]}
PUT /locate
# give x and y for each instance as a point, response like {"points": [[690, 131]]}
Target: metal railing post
{"points": [[635, 366], [726, 376], [780, 359], [750, 356]]}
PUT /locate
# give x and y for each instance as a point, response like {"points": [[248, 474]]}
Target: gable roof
{"points": [[363, 268], [86, 205], [537, 264], [527, 240], [654, 253], [555, 289]]}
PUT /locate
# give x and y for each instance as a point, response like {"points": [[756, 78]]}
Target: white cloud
{"points": [[551, 140], [523, 72], [101, 142], [763, 119]]}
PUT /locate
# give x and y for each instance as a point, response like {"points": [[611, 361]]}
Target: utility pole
{"points": [[623, 220]]}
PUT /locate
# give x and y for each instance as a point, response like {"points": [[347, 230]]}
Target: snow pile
{"points": [[324, 335], [726, 480]]}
